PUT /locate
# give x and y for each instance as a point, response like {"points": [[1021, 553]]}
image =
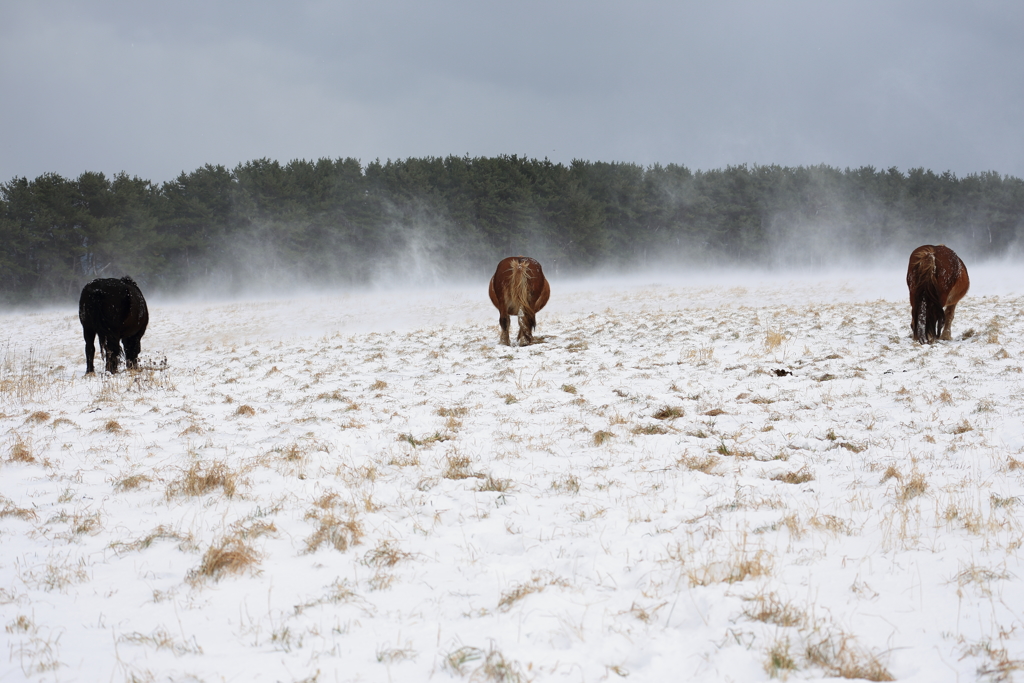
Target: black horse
{"points": [[116, 311]]}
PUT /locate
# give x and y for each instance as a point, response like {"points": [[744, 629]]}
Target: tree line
{"points": [[342, 222]]}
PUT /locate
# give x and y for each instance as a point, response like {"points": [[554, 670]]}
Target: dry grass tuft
{"points": [[245, 411], [457, 466], [386, 554], [669, 413], [773, 339], [705, 463], [9, 509], [379, 385], [112, 427], [338, 532], [602, 437], [192, 429], [21, 452], [780, 660], [800, 476], [131, 482], [963, 427], [701, 356], [457, 411], [649, 430], [838, 654], [569, 388], [912, 488], [161, 640], [769, 609], [536, 584], [230, 556], [831, 523], [424, 441], [201, 479], [185, 541], [570, 483], [491, 483], [38, 417], [891, 473], [499, 670], [740, 567], [391, 655]]}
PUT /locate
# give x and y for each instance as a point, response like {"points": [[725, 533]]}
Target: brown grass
{"points": [[457, 411], [457, 466], [669, 413], [491, 483], [536, 584], [9, 509], [601, 437], [705, 463], [230, 556], [741, 567], [839, 655], [21, 452], [337, 531], [773, 339], [649, 430], [912, 488], [769, 609], [245, 411], [131, 482], [800, 476], [385, 554], [203, 478]]}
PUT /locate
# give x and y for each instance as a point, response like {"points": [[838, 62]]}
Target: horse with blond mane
{"points": [[519, 288], [937, 280]]}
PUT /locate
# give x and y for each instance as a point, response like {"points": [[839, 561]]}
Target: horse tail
{"points": [[519, 287], [928, 315]]}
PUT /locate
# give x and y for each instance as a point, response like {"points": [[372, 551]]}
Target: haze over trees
{"points": [[424, 219]]}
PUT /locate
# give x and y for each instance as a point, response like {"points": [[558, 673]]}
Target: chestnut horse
{"points": [[116, 311], [518, 288], [937, 279]]}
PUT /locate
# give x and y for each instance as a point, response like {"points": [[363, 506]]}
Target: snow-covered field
{"points": [[715, 480]]}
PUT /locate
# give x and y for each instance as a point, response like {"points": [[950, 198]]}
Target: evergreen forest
{"points": [[429, 220]]}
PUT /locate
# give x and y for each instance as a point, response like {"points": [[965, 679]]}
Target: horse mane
{"points": [[519, 291], [926, 308]]}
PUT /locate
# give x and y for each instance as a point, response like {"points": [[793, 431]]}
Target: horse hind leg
{"points": [[111, 353], [527, 321], [504, 322], [90, 350], [947, 330]]}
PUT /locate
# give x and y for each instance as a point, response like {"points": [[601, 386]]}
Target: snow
{"points": [[397, 497]]}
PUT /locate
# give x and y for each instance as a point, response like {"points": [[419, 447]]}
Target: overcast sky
{"points": [[155, 90]]}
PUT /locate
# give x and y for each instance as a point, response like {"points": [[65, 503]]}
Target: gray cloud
{"points": [[159, 90]]}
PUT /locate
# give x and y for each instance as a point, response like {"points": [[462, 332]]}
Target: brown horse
{"points": [[518, 288], [937, 279]]}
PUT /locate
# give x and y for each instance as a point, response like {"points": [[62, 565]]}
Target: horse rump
{"points": [[519, 288], [115, 310], [937, 280]]}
